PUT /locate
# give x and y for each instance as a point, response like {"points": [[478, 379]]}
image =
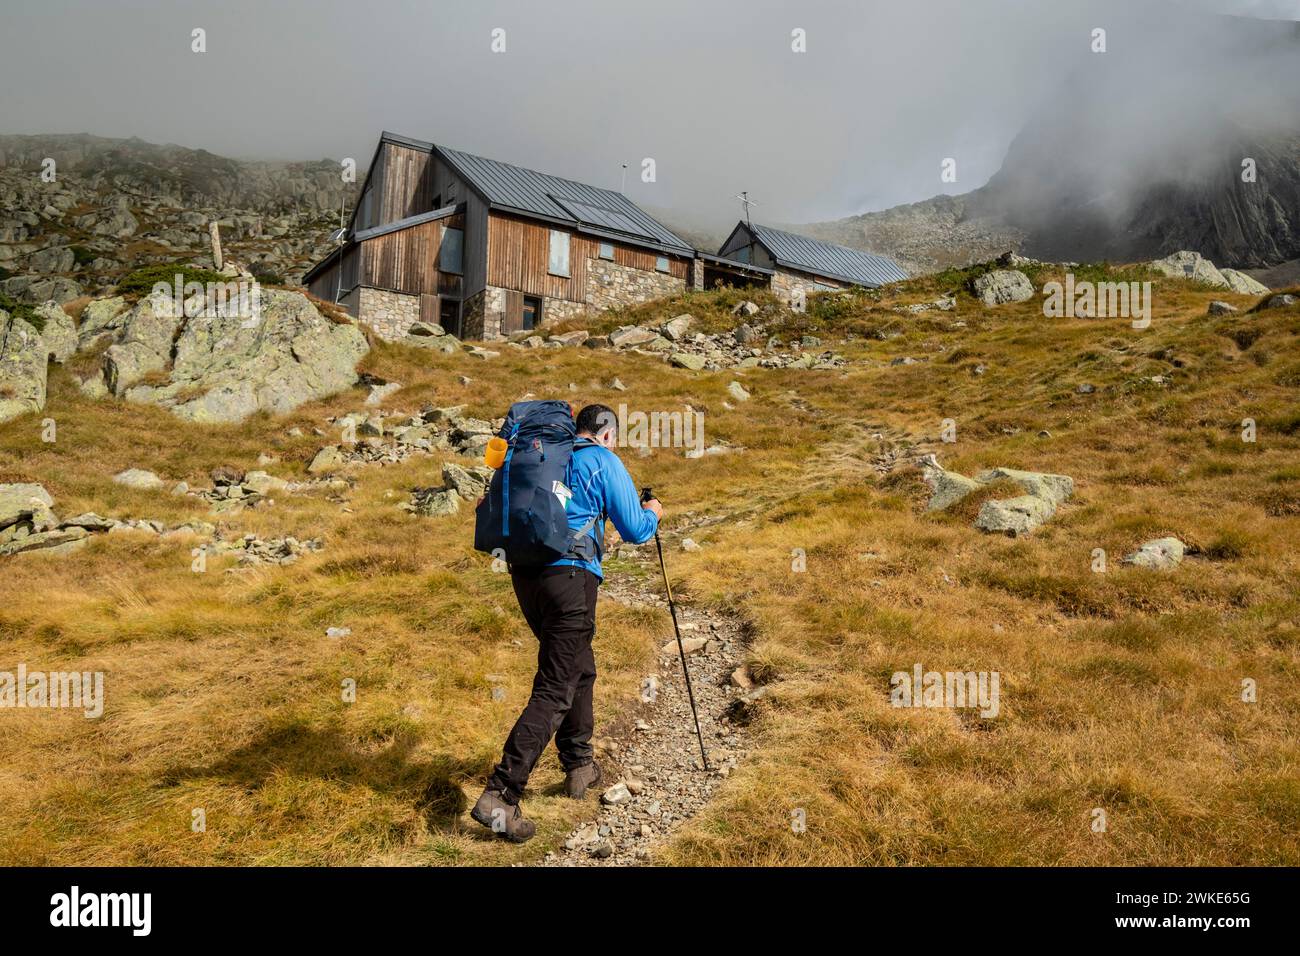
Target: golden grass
{"points": [[1120, 691]]}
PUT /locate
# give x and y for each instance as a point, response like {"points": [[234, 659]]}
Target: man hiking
{"points": [[558, 599]]}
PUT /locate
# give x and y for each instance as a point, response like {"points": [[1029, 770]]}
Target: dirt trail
{"points": [[653, 749]]}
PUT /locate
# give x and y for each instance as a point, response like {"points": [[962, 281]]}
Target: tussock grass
{"points": [[1119, 691]]}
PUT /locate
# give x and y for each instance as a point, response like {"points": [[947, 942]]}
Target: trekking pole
{"points": [[646, 495]]}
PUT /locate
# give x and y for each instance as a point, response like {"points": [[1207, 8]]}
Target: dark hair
{"points": [[595, 419]]}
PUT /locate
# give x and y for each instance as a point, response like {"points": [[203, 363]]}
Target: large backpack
{"points": [[522, 517]]}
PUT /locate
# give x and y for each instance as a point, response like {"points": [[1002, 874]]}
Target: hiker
{"points": [[558, 598]]}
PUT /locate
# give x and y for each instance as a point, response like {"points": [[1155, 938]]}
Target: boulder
{"points": [[35, 290], [688, 360], [24, 358], [434, 503], [1220, 308], [1052, 488], [52, 259], [1158, 555], [946, 487], [1043, 492], [577, 337], [737, 391], [330, 458], [28, 503], [745, 308], [59, 333], [1014, 516], [241, 364], [144, 343], [138, 478], [100, 317], [469, 483], [1240, 282], [676, 328], [1003, 285], [57, 541], [1281, 301], [379, 393], [631, 335], [426, 329], [90, 521], [1190, 265], [263, 484]]}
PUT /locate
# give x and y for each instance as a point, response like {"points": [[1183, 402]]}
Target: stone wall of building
{"points": [[610, 285], [786, 285], [390, 314], [555, 311], [482, 314], [697, 275]]}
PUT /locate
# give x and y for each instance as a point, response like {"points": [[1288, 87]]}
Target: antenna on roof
{"points": [[623, 185], [746, 202]]}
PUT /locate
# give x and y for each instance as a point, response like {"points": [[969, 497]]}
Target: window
{"points": [[532, 316], [606, 250], [451, 254], [437, 201], [558, 264], [661, 264]]}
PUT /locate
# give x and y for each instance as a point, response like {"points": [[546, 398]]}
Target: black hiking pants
{"points": [[559, 604]]}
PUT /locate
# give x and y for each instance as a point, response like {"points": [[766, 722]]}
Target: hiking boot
{"points": [[504, 819], [579, 779]]}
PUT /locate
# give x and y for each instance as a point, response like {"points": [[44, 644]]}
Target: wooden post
{"points": [[214, 231]]}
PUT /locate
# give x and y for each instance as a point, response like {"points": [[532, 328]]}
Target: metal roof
{"points": [[409, 221], [826, 258], [532, 193], [733, 263]]}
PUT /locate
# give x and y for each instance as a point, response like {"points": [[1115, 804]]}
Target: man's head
{"points": [[599, 423]]}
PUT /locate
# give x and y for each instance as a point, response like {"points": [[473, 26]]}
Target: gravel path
{"points": [[654, 780]]}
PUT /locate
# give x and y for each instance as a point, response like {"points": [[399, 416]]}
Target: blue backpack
{"points": [[522, 516]]}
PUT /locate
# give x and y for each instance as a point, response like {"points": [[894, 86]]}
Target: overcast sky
{"points": [[710, 89]]}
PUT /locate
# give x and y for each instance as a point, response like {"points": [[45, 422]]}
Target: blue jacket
{"points": [[602, 488]]}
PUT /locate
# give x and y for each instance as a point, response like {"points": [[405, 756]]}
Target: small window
{"points": [[451, 254], [532, 316], [437, 201], [607, 250], [661, 264], [558, 264]]}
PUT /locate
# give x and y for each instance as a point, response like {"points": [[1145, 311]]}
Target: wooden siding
{"points": [[405, 184], [407, 260], [327, 284], [519, 253]]}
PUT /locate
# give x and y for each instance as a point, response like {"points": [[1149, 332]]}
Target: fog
{"points": [[713, 92]]}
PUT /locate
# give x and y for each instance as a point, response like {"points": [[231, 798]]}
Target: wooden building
{"points": [[795, 265], [486, 249]]}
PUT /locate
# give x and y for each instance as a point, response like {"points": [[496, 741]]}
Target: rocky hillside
{"points": [[935, 474], [117, 204]]}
